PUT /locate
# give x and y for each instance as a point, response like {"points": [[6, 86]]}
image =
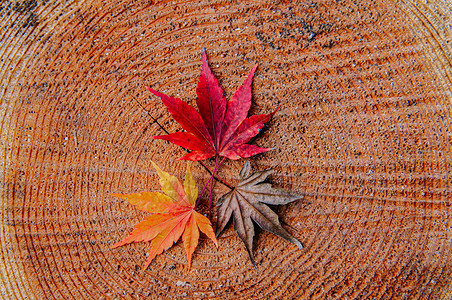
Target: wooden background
{"points": [[364, 133]]}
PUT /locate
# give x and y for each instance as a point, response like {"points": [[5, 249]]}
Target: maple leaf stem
{"points": [[217, 166], [211, 185], [216, 177], [149, 114]]}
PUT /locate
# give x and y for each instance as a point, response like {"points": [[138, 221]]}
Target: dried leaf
{"points": [[173, 215], [220, 127], [245, 203]]}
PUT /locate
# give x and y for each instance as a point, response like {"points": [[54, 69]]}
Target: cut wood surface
{"points": [[364, 133]]}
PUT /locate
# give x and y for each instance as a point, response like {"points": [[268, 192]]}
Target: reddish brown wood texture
{"points": [[364, 132]]}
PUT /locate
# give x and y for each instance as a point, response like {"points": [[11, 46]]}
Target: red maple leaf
{"points": [[221, 127]]}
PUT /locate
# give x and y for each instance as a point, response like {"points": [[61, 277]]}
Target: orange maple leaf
{"points": [[173, 215]]}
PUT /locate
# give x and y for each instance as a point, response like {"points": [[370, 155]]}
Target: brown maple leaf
{"points": [[245, 203], [221, 127], [173, 215]]}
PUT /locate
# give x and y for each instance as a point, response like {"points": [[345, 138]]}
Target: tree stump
{"points": [[364, 133]]}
